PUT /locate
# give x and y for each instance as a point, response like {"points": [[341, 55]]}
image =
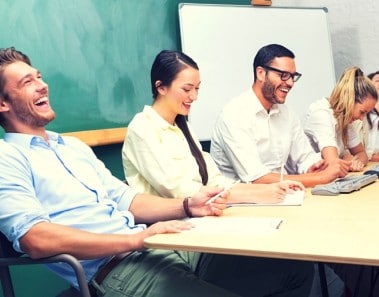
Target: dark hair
{"points": [[371, 75], [165, 68], [374, 111], [368, 116], [268, 53], [8, 56]]}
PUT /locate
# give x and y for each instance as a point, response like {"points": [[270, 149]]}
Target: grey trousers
{"points": [[156, 273]]}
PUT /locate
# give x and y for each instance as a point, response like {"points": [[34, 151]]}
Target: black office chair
{"points": [[9, 257]]}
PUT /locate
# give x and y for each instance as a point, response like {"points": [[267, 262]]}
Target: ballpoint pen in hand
{"points": [[282, 172], [222, 192]]}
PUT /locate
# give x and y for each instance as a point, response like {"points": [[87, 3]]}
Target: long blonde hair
{"points": [[352, 87]]}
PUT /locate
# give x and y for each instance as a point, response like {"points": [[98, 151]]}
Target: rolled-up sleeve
{"points": [[19, 207]]}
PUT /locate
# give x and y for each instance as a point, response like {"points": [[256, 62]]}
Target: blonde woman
{"points": [[329, 121]]}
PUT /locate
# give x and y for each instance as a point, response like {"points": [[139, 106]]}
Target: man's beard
{"points": [[268, 91], [32, 120]]}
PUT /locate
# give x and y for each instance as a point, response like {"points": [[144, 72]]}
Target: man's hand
{"points": [[317, 167], [276, 192], [173, 226], [335, 169], [289, 185]]}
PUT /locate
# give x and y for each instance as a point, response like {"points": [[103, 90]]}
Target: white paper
{"points": [[246, 225]]}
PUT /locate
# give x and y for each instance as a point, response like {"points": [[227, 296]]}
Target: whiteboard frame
{"points": [[216, 37]]}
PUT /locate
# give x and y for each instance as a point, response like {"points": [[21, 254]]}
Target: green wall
{"points": [[111, 156], [36, 281]]}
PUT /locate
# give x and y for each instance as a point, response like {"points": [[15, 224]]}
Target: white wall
{"points": [[233, 26], [354, 31]]}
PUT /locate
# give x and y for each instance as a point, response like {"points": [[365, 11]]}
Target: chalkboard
{"points": [[94, 54], [223, 40]]}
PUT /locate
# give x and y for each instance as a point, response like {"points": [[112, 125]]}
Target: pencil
{"points": [[282, 172]]}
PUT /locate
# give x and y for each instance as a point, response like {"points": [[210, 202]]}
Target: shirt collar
{"points": [[157, 119], [28, 140], [257, 106]]}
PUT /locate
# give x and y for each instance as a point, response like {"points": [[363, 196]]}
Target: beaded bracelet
{"points": [[186, 207]]}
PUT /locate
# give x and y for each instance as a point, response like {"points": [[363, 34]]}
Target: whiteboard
{"points": [[223, 40]]}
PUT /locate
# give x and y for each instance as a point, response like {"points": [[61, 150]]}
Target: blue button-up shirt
{"points": [[63, 182]]}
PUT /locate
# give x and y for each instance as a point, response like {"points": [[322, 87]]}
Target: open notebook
{"points": [[293, 198]]}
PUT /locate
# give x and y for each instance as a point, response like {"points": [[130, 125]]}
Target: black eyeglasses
{"points": [[284, 75]]}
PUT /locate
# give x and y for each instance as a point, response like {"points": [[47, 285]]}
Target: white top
{"points": [[157, 158], [372, 146], [248, 142], [321, 127]]}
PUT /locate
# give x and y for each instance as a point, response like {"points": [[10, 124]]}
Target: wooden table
{"points": [[338, 229]]}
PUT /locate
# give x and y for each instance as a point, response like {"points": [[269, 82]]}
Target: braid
{"points": [[181, 121]]}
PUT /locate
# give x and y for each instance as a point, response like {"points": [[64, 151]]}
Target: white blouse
{"points": [[372, 146], [321, 128], [157, 158]]}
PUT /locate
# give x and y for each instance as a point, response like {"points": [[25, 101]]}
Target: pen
{"points": [[222, 192]]}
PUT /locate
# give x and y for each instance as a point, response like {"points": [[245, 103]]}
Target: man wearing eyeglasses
{"points": [[257, 138]]}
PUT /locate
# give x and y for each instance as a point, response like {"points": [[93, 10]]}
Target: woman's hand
{"points": [[198, 203], [356, 165]]}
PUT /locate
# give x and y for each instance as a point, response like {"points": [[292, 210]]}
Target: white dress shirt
{"points": [[248, 142]]}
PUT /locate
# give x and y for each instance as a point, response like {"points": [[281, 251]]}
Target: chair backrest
{"points": [[6, 251], [6, 248]]}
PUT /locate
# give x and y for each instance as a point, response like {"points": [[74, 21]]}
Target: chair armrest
{"points": [[66, 258]]}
